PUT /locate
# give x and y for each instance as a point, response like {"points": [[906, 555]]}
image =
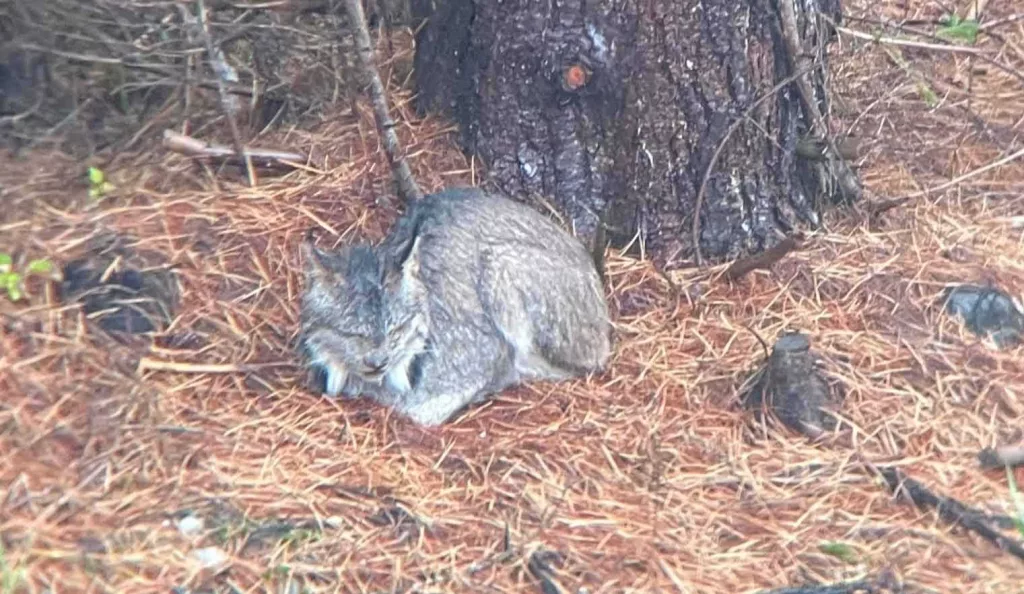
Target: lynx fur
{"points": [[469, 294]]}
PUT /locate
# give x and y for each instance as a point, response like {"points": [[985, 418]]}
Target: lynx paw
{"points": [[329, 380]]}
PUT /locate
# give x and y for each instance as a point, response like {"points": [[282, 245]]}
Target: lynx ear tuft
{"points": [[403, 269], [411, 263]]}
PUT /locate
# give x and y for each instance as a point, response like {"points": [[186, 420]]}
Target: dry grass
{"points": [[648, 478]]}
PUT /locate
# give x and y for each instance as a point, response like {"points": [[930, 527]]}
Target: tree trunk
{"points": [[614, 109]]}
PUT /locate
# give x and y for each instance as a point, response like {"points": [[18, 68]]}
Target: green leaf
{"points": [[839, 550], [14, 291], [957, 28], [5, 263], [928, 95], [1018, 501], [95, 176], [40, 266]]}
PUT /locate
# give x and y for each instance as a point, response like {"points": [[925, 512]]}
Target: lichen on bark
{"points": [[665, 83]]}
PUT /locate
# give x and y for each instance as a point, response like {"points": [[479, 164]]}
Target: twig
{"points": [[977, 53], [408, 190], [879, 207], [968, 175], [168, 74], [764, 260], [1001, 457], [150, 364], [951, 510], [798, 61], [187, 145], [1000, 22], [841, 588], [211, 50], [699, 202], [959, 49]]}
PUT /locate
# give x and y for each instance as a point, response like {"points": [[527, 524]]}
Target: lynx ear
{"points": [[405, 269], [314, 260]]}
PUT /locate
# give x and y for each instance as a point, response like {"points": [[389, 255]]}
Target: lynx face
{"points": [[364, 317]]}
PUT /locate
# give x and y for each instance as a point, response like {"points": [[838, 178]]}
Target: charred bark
{"points": [[615, 109]]}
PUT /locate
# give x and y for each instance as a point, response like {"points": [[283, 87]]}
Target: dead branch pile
{"points": [[100, 74]]}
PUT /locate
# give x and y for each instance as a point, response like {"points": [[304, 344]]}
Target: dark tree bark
{"points": [[614, 110]]}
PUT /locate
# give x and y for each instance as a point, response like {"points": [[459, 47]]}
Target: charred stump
{"points": [[614, 110]]}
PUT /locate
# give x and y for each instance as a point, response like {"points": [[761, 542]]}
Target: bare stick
{"points": [[1002, 456], [975, 173], [799, 61], [764, 260], [222, 90], [959, 49], [149, 364], [193, 147], [408, 190], [982, 55], [952, 511]]}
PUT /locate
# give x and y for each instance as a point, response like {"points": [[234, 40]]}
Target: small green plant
{"points": [[278, 571], [300, 536], [13, 281], [98, 184], [840, 550], [11, 578], [955, 27], [1018, 501]]}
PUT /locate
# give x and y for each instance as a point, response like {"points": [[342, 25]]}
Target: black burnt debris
{"points": [[987, 526], [987, 311], [119, 289], [791, 386]]}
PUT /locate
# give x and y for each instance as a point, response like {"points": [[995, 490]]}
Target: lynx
{"points": [[469, 294]]}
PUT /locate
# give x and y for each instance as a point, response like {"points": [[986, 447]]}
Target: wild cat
{"points": [[469, 294]]}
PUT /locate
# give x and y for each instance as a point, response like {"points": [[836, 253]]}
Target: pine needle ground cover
{"points": [[197, 461]]}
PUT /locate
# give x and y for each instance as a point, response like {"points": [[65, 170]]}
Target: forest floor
{"points": [[143, 466]]}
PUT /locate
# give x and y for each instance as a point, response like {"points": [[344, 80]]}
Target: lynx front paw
{"points": [[329, 380]]}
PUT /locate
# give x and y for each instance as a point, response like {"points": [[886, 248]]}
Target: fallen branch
{"points": [[764, 260], [408, 190], [953, 511], [226, 101], [192, 147], [1001, 457]]}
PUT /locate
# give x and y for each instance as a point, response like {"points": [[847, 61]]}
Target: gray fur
{"points": [[471, 293]]}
